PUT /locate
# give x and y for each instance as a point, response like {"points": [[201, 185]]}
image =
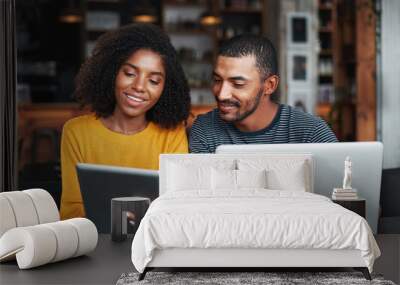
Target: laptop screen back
{"points": [[100, 183]]}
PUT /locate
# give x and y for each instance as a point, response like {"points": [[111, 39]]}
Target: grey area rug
{"points": [[273, 278]]}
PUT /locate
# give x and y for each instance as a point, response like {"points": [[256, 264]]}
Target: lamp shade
{"points": [[71, 17], [210, 19], [144, 13], [71, 14], [144, 18]]}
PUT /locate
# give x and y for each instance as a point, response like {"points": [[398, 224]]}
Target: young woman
{"points": [[140, 100]]}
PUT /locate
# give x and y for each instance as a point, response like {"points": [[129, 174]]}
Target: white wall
{"points": [[390, 83]]}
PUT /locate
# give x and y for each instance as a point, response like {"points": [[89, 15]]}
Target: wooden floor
{"points": [[389, 262]]}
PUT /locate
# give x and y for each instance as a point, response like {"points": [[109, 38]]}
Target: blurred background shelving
{"points": [[336, 95], [55, 37], [197, 43]]}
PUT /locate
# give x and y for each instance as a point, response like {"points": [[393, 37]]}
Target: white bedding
{"points": [[252, 218]]}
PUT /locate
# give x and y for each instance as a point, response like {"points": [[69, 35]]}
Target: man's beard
{"points": [[253, 108]]}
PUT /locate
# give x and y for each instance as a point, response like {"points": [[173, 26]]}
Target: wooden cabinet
{"points": [[336, 69], [327, 20], [39, 130], [346, 77]]}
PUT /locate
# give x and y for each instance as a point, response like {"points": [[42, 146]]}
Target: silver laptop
{"points": [[100, 183], [329, 167]]}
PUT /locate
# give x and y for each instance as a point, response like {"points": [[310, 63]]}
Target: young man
{"points": [[244, 81]]}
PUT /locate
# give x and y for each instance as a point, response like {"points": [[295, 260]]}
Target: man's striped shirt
{"points": [[290, 125]]}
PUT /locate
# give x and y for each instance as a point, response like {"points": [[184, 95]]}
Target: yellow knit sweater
{"points": [[85, 139]]}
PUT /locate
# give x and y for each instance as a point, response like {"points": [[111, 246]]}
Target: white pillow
{"points": [[223, 179], [251, 178], [282, 173], [181, 177], [292, 179], [194, 173], [227, 179]]}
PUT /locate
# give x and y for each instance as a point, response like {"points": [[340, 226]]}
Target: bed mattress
{"points": [[252, 219]]}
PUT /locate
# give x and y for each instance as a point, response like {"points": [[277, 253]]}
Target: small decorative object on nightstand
{"points": [[126, 214], [358, 205], [346, 192], [347, 196]]}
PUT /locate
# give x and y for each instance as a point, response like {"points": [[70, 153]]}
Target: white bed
{"points": [[366, 160], [193, 224]]}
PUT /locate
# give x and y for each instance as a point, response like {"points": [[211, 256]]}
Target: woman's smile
{"points": [[135, 100]]}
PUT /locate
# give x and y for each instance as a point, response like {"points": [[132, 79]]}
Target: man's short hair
{"points": [[258, 46]]}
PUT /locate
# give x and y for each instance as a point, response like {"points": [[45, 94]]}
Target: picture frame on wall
{"points": [[299, 71], [300, 61], [301, 93], [299, 99], [299, 68], [298, 29]]}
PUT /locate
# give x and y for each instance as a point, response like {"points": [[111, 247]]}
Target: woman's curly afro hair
{"points": [[95, 82]]}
